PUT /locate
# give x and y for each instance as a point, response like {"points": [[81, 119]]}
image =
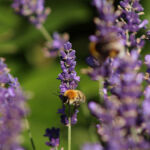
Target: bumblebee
{"points": [[74, 97], [109, 46]]}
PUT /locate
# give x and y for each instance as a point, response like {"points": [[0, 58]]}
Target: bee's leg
{"points": [[77, 104]]}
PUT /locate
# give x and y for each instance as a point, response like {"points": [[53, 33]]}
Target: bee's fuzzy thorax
{"points": [[71, 94]]}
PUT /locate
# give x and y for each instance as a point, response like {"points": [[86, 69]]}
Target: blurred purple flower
{"points": [[107, 30], [12, 110], [33, 10], [107, 42], [146, 102], [131, 23], [90, 146], [146, 110], [121, 121], [52, 49]]}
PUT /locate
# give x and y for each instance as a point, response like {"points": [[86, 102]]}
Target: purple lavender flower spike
{"points": [[33, 10], [146, 102], [12, 110], [123, 123], [53, 49], [69, 80], [132, 24], [121, 112], [68, 77], [107, 42], [106, 16], [53, 135]]}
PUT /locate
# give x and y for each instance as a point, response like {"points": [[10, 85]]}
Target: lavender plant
{"points": [[114, 58], [33, 10], [12, 110], [121, 117], [132, 24], [123, 122], [68, 95], [123, 114], [37, 14]]}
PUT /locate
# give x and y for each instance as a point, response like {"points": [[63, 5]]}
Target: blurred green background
{"points": [[21, 44]]}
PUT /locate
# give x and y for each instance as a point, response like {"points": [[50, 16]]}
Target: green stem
{"points": [[29, 133], [101, 86], [69, 129], [45, 33], [56, 148]]}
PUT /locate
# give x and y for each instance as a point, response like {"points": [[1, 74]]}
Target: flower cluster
{"points": [[107, 41], [131, 23], [106, 20], [122, 123], [68, 77], [90, 146], [69, 80], [117, 32], [12, 110], [107, 31], [54, 47], [124, 118], [34, 10]]}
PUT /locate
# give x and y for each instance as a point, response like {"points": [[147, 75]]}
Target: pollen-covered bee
{"points": [[74, 97], [109, 46]]}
